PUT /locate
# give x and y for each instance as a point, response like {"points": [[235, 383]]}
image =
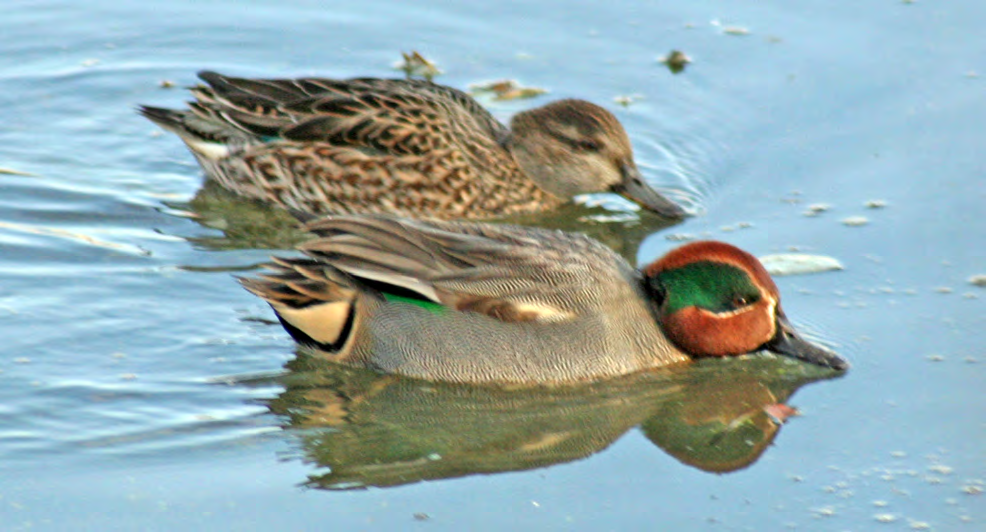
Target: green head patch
{"points": [[713, 286]]}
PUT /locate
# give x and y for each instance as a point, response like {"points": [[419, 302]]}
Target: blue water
{"points": [[135, 374]]}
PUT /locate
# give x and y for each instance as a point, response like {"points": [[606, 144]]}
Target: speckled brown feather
{"points": [[406, 147], [364, 145]]}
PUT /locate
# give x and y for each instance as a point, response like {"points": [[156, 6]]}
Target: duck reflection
{"points": [[367, 429], [249, 224]]}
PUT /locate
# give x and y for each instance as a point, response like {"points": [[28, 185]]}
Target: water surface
{"points": [[136, 376]]}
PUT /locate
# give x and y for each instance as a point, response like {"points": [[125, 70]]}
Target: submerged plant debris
{"points": [[676, 61], [506, 89]]}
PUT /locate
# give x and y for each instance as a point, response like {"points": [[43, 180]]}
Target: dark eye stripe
{"points": [[580, 144], [588, 145], [739, 301]]}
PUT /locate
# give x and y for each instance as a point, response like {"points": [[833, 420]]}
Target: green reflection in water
{"points": [[369, 429], [248, 224]]}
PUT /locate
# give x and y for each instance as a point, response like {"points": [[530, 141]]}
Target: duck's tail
{"points": [[315, 302], [208, 138]]}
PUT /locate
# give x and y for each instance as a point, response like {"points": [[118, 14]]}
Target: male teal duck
{"points": [[471, 302], [399, 146]]}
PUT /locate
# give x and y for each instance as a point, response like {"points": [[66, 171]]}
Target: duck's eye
{"points": [[587, 145], [740, 301]]}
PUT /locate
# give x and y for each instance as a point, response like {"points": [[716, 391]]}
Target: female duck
{"points": [[474, 302], [406, 147]]}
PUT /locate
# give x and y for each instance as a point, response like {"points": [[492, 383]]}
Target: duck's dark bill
{"points": [[787, 342], [635, 189]]}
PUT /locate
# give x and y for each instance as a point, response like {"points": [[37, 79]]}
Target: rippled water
{"points": [[137, 378]]}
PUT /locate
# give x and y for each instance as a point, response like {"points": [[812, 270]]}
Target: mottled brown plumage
{"points": [[406, 147]]}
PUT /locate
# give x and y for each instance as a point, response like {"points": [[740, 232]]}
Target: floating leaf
{"points": [[735, 30], [816, 208], [10, 171], [519, 94], [799, 264], [875, 204], [626, 99], [415, 64], [855, 221], [506, 89]]}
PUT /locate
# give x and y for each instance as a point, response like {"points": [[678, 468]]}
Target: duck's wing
{"points": [[510, 273], [391, 116]]}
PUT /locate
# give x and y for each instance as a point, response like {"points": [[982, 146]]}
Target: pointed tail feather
{"points": [[168, 119], [315, 303]]}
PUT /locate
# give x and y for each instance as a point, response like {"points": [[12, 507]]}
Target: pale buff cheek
{"points": [[767, 309]]}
